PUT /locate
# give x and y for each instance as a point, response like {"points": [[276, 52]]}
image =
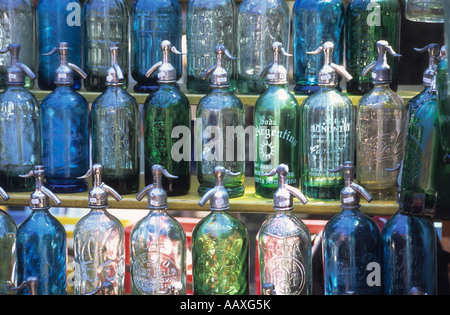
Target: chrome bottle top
{"points": [[114, 74], [40, 198], [275, 72], [17, 71], [157, 196], [434, 53], [219, 75], [381, 71], [166, 71]]}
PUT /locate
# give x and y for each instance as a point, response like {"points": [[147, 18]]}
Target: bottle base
{"points": [[306, 89], [265, 192], [124, 185], [66, 187], [17, 184], [233, 192]]}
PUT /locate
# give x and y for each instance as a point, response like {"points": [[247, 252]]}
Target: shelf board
{"points": [[249, 203]]}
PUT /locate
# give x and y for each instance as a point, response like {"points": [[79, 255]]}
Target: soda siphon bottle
{"points": [[220, 244], [209, 23], [315, 23], [352, 245], [115, 121], [105, 22], [284, 243], [276, 119], [99, 242], [41, 243], [152, 22], [58, 21], [20, 126], [167, 110], [65, 130], [409, 253], [259, 24], [444, 102], [220, 128], [368, 21], [158, 245], [327, 135], [8, 231], [380, 129], [18, 25]]}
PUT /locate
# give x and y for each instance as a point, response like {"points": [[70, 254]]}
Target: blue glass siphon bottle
{"points": [[152, 22], [20, 126], [352, 245], [115, 121], [8, 230], [58, 21], [314, 23], [65, 130], [41, 243]]}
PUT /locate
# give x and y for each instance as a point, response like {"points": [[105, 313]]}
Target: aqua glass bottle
{"points": [[327, 135], [18, 25], [105, 21], [157, 245], [220, 128], [220, 246], [115, 122], [20, 126], [259, 24], [209, 23], [368, 21], [65, 130], [352, 245], [380, 129], [315, 23], [41, 243], [8, 230], [152, 22], [99, 242], [276, 118], [58, 21], [284, 243], [167, 111]]}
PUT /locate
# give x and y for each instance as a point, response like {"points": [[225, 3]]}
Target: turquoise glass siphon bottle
{"points": [[209, 23], [99, 243], [220, 246], [380, 129], [20, 126], [259, 24], [65, 130], [276, 119], [152, 22], [18, 25], [167, 115], [220, 130], [314, 24], [158, 245], [41, 243], [105, 21], [115, 123], [327, 135], [352, 245], [368, 21], [8, 230], [284, 243]]}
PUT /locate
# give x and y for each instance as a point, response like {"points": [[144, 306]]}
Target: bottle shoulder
{"points": [[172, 7], [41, 223], [7, 224], [220, 224], [116, 98], [167, 96], [382, 98], [277, 99], [327, 99], [347, 222], [63, 97], [161, 223], [220, 100], [18, 96], [284, 226]]}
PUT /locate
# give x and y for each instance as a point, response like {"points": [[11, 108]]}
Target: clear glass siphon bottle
{"points": [[99, 242], [380, 129], [259, 24], [152, 22], [284, 244], [209, 23], [58, 21], [426, 11], [220, 128], [220, 246], [41, 243], [115, 123], [18, 25], [368, 21], [167, 110], [105, 21], [352, 245], [327, 135], [8, 230], [65, 130], [276, 119], [20, 126], [315, 23], [158, 245]]}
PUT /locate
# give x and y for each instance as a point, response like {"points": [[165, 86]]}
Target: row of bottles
{"points": [[247, 31], [358, 259]]}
